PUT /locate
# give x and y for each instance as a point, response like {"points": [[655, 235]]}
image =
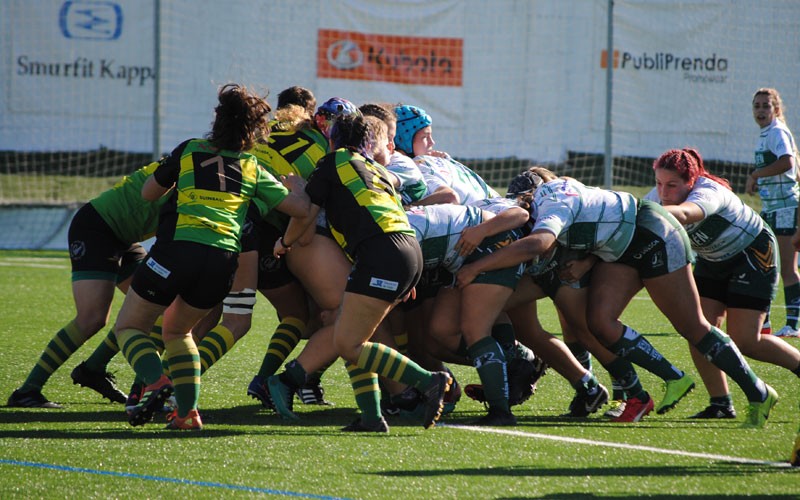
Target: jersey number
{"points": [[289, 147], [217, 173]]}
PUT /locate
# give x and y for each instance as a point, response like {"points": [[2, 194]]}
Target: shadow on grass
{"points": [[650, 497], [714, 468], [36, 423]]}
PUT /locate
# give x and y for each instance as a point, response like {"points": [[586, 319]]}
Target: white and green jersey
{"points": [[495, 205], [728, 226], [446, 172], [777, 191], [412, 184], [594, 220], [438, 229]]}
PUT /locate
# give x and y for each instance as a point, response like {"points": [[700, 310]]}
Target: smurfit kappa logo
{"points": [[345, 54], [90, 20]]}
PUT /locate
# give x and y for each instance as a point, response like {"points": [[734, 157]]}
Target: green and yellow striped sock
{"points": [[286, 337], [140, 351], [386, 362], [58, 350], [214, 345], [366, 391], [184, 362], [99, 359]]}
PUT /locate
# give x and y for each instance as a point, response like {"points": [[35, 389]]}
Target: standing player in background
{"points": [[191, 266], [736, 270], [795, 458], [104, 252], [775, 179]]}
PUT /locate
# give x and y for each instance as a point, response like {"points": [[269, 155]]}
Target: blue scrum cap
{"points": [[410, 120]]}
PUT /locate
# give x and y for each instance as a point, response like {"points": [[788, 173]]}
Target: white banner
{"points": [[69, 54], [669, 65]]}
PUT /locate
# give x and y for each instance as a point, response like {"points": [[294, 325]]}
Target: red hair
{"points": [[688, 163]]}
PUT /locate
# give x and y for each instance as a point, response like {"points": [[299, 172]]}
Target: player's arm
{"points": [[686, 213], [297, 227], [152, 190], [536, 243], [440, 196], [491, 225], [779, 166]]}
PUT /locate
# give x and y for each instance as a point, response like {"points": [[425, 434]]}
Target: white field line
{"points": [[608, 444], [43, 263]]}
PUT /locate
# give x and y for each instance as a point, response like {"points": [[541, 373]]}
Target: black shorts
{"points": [[202, 275], [749, 280], [386, 266], [95, 251], [259, 235], [428, 286]]}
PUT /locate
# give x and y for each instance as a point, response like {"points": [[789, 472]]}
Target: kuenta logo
{"points": [[92, 20]]}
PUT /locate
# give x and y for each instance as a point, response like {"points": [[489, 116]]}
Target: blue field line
{"points": [[208, 484]]}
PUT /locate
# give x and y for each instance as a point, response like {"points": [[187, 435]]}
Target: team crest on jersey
{"points": [[77, 250]]}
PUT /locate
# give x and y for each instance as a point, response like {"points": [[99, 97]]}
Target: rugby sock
{"points": [[214, 345], [503, 333], [401, 342], [617, 393], [293, 375], [140, 351], [624, 374], [581, 354], [367, 393], [587, 384], [99, 359], [792, 294], [638, 350], [155, 334], [286, 337], [316, 377], [57, 351], [725, 401], [720, 350], [387, 362], [488, 358], [158, 340], [184, 362]]}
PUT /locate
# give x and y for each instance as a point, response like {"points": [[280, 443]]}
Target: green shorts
{"points": [[660, 244], [508, 277]]}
